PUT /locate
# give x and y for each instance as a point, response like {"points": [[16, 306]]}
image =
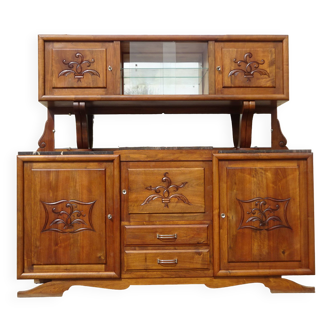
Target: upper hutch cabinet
{"points": [[121, 68]]}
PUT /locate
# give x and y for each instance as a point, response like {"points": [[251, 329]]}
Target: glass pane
{"points": [[165, 68]]}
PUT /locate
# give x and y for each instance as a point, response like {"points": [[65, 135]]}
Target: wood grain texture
{"points": [[55, 234], [241, 249], [166, 234], [166, 260], [57, 288]]}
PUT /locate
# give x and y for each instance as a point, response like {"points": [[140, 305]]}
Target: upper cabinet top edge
{"points": [[99, 38]]}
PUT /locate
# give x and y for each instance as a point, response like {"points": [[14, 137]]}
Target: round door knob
{"points": [[109, 216], [223, 215]]}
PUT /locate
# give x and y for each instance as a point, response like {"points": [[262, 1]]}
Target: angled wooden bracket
{"points": [[46, 141], [84, 126], [278, 139]]}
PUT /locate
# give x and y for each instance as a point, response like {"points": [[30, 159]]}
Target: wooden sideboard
{"points": [[136, 216]]}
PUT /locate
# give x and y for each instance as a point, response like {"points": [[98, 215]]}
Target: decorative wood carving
{"points": [[78, 73], [46, 141], [165, 198], [264, 214], [249, 71], [63, 216]]}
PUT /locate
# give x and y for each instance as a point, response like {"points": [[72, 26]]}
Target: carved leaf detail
{"points": [[67, 216], [78, 74], [91, 72], [66, 72], [249, 72], [272, 217], [165, 198]]}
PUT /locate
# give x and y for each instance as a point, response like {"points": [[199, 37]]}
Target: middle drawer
{"points": [[166, 234]]}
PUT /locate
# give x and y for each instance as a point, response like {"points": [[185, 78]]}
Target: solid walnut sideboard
{"points": [[113, 218]]}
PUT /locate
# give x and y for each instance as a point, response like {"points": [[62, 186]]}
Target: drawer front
{"points": [[249, 68], [78, 68], [167, 260], [163, 235], [166, 191]]}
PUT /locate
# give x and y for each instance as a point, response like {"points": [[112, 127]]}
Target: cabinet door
{"points": [[71, 224], [257, 69], [81, 69], [263, 218]]}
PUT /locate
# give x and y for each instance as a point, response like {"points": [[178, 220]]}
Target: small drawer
{"points": [[167, 259], [163, 234]]}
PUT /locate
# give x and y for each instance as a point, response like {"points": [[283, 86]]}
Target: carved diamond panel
{"points": [[264, 213], [68, 216]]}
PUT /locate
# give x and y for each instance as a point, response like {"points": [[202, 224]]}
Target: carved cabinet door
{"points": [[263, 214], [252, 68], [83, 69], [70, 220]]}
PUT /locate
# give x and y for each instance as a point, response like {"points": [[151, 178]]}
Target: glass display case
{"points": [[165, 68]]}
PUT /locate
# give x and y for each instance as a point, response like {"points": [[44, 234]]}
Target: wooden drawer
{"points": [[165, 191], [163, 234], [80, 68], [167, 260]]}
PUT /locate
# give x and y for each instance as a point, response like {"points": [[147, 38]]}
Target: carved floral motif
{"points": [[78, 73], [264, 213], [68, 216], [166, 198], [249, 71]]}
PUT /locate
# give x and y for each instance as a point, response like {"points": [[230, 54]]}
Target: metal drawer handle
{"points": [[167, 261], [167, 236]]}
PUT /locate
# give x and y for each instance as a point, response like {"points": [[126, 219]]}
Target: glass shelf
{"points": [[164, 68]]}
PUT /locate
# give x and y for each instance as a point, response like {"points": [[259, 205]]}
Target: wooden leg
{"points": [[247, 124], [281, 285], [56, 288], [275, 284], [49, 289], [279, 141], [46, 142], [82, 127], [236, 118]]}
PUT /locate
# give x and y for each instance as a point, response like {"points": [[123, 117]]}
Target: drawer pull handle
{"points": [[167, 261], [167, 236]]}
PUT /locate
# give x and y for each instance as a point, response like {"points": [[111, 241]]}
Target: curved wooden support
{"points": [[246, 124], [82, 127], [56, 288], [46, 141], [279, 141]]}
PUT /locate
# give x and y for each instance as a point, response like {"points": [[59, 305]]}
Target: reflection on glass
{"points": [[165, 68]]}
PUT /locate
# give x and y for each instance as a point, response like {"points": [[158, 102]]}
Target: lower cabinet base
{"points": [[56, 288]]}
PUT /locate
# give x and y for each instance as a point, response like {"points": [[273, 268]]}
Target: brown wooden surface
{"points": [[187, 195], [197, 191], [166, 234], [57, 288], [55, 242], [270, 249], [259, 84], [107, 38], [148, 259], [108, 85], [101, 82], [46, 141]]}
